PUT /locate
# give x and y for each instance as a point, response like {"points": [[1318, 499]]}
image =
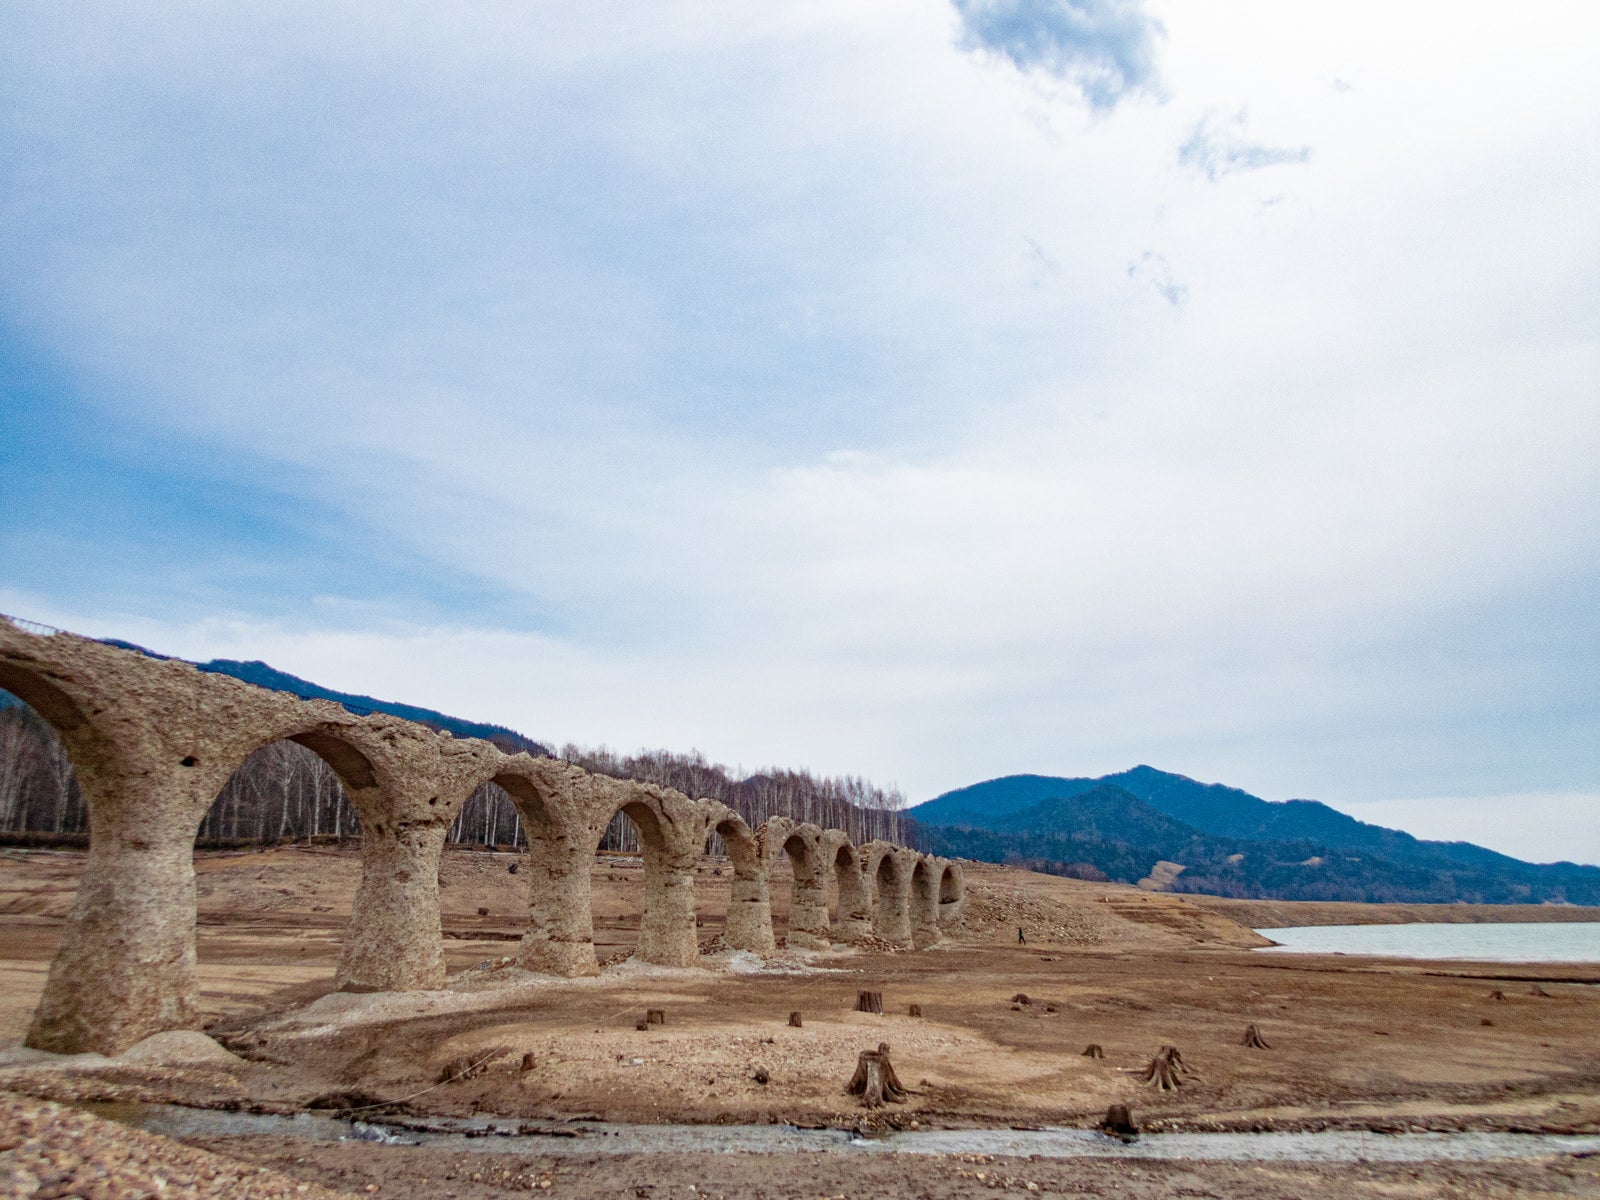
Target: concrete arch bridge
{"points": [[153, 741]]}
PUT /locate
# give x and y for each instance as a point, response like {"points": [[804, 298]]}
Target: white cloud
{"points": [[787, 362]]}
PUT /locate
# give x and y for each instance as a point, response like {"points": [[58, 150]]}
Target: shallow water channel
{"points": [[596, 1137]]}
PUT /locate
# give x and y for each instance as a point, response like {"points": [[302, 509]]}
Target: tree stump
{"points": [[916, 1010], [1118, 1122], [1021, 998], [875, 1080], [1253, 1038], [1167, 1070], [1092, 1050], [794, 1020], [655, 1016], [869, 1002]]}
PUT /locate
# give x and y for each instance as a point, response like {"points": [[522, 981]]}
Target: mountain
{"points": [[264, 676], [1230, 842]]}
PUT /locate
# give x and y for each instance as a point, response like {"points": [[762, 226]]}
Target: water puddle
{"points": [[597, 1137]]}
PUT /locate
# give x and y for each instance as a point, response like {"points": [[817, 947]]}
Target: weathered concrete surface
{"points": [[952, 893], [855, 908], [749, 923], [887, 870], [153, 741]]}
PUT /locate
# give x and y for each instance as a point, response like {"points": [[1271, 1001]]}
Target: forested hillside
{"points": [[1228, 842]]}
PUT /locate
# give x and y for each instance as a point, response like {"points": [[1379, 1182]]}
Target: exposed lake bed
{"points": [[1383, 1052]]}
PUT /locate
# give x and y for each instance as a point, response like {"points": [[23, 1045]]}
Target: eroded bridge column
{"points": [[560, 934], [667, 928], [749, 924], [125, 967], [394, 942], [808, 908], [854, 922]]}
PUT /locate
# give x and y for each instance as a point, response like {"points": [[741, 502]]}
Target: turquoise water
{"points": [[1533, 942]]}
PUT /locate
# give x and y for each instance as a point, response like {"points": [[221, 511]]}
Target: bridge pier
{"points": [[855, 913], [749, 925], [394, 942], [125, 968]]}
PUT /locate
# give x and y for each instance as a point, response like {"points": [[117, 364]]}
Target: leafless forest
{"points": [[285, 792]]}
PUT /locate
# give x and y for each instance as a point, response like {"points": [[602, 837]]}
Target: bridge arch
{"points": [[924, 902], [889, 879], [749, 923], [952, 894], [852, 916]]}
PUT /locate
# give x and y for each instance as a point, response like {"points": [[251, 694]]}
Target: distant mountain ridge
{"points": [[1230, 842], [262, 675]]}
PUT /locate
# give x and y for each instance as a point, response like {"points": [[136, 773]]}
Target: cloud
{"points": [[767, 380], [1217, 148], [1154, 269], [1105, 48]]}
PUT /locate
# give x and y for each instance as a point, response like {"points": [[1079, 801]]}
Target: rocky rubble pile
{"points": [[50, 1152]]}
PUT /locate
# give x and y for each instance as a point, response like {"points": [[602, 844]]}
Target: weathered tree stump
{"points": [[655, 1016], [916, 1010], [1167, 1070], [875, 1080], [470, 1066], [869, 1002], [795, 1021], [1118, 1122], [1092, 1050], [1253, 1038]]}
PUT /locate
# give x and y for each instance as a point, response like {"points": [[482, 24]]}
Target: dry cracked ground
{"points": [[1355, 1043]]}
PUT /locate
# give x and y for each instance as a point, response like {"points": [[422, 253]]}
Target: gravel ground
{"points": [[49, 1152]]}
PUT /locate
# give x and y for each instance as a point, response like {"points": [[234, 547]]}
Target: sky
{"points": [[924, 390]]}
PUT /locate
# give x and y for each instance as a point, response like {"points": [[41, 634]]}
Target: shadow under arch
{"points": [[952, 891]]}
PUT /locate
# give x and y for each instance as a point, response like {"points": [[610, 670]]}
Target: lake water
{"points": [[1553, 942]]}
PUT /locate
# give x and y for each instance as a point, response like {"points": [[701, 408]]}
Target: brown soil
{"points": [[1369, 1044]]}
